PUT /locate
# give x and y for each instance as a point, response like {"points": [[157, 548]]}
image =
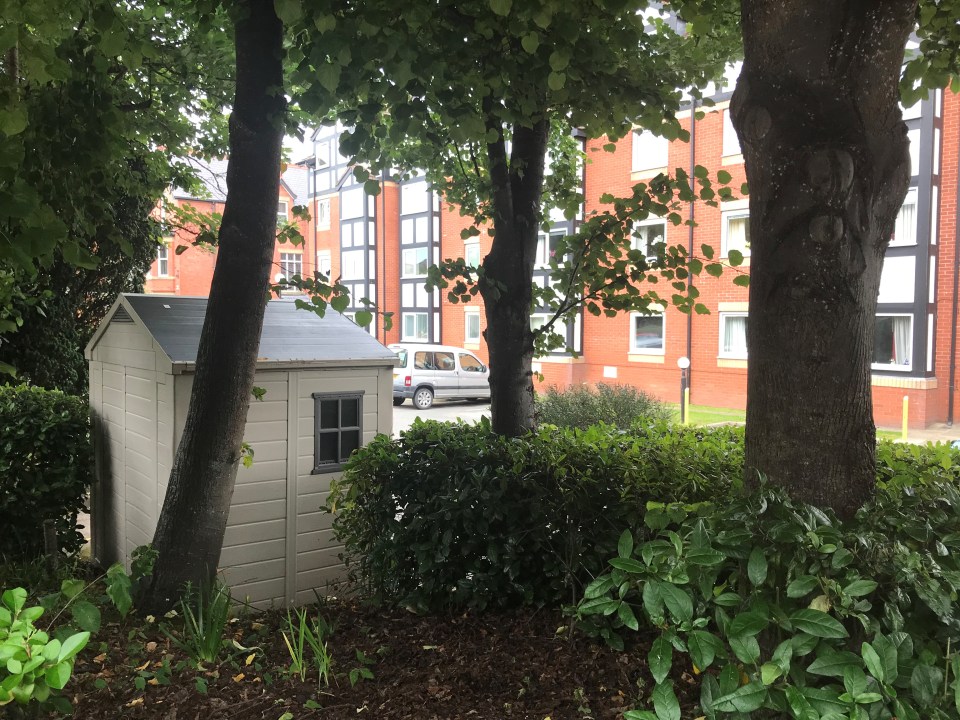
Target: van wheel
{"points": [[397, 402], [423, 398]]}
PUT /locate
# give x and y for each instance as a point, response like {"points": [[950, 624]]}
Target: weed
{"points": [[205, 616], [308, 635]]}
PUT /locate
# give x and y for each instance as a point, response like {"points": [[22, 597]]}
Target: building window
{"points": [[337, 426], [351, 203], [163, 260], [291, 264], [893, 342], [650, 238], [471, 322], [351, 265], [414, 198], [733, 335], [281, 212], [547, 248], [323, 214], [471, 254], [324, 264], [416, 326], [646, 332], [731, 143], [650, 152], [905, 227], [415, 262], [735, 231]]}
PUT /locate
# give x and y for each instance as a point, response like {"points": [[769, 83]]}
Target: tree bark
{"points": [[190, 530], [507, 284], [827, 161]]}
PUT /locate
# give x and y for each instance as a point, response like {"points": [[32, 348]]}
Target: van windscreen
{"points": [[402, 354]]}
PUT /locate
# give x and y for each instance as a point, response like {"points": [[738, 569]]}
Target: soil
{"points": [[526, 664]]}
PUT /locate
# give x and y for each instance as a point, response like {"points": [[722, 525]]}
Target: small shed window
{"points": [[338, 429]]}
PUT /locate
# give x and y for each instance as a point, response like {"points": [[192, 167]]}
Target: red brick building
{"points": [[381, 247]]}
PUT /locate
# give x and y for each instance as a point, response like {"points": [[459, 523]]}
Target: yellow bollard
{"points": [[906, 416], [686, 406]]}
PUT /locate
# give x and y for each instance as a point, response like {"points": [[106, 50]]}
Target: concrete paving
{"points": [[441, 410], [938, 432]]}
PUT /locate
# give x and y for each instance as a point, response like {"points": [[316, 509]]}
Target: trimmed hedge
{"points": [[581, 406], [46, 467], [452, 515]]}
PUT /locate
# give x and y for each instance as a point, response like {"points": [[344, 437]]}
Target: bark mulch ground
{"points": [[519, 665]]}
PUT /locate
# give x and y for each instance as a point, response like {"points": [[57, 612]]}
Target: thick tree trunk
{"points": [[190, 530], [827, 160], [508, 281]]}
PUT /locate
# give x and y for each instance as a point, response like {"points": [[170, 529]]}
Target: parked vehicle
{"points": [[426, 372]]}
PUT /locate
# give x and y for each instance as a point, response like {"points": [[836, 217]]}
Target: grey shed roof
{"points": [[290, 335]]}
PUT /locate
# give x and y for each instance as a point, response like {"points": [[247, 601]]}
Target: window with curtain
{"points": [[471, 319], [733, 335], [415, 262], [416, 326], [163, 260], [337, 421], [893, 341], [905, 227], [736, 232], [650, 239]]}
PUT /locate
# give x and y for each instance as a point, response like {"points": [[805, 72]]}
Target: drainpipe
{"points": [[382, 293], [952, 384], [693, 166]]}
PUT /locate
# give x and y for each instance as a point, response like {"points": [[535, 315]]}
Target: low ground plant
{"points": [[306, 640], [205, 614], [580, 406], [783, 611]]}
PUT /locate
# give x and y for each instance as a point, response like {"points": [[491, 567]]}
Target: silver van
{"points": [[426, 372]]}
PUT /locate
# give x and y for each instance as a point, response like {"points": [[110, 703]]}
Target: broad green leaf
{"points": [[703, 647], [801, 707], [530, 42], [859, 588], [875, 666], [723, 176], [854, 680], [665, 702], [747, 623], [501, 7], [677, 600], [742, 280], [556, 80], [757, 567], [625, 544], [801, 586], [660, 659], [746, 648], [818, 624], [72, 645], [58, 675], [628, 564], [289, 11], [14, 666], [832, 664], [744, 699], [72, 588], [735, 257], [729, 679], [627, 617], [887, 653], [86, 615], [769, 672], [639, 715], [707, 251], [363, 318], [925, 681]]}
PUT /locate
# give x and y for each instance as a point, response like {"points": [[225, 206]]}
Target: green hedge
{"points": [[581, 406], [452, 515], [46, 467]]}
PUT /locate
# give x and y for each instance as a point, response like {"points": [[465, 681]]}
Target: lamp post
{"points": [[684, 364]]}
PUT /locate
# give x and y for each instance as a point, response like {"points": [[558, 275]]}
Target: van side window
{"points": [[423, 361], [444, 361], [469, 363]]}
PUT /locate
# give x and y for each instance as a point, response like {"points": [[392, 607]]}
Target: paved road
{"points": [[443, 410]]}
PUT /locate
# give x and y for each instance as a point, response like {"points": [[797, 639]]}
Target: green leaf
{"points": [[58, 675], [289, 11], [639, 715], [757, 567], [723, 177], [832, 663], [665, 702], [745, 699], [501, 7], [746, 648], [371, 187], [887, 652], [801, 586], [747, 624], [742, 280], [625, 613], [625, 544], [714, 269], [801, 707], [660, 659], [859, 588], [871, 658], [363, 318], [735, 257], [72, 645], [707, 251], [530, 42], [678, 602], [14, 666], [72, 588], [556, 81], [925, 682], [769, 672], [86, 615], [703, 648], [628, 564], [818, 624]]}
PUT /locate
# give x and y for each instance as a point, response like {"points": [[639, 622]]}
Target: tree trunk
{"points": [[190, 530], [827, 160], [508, 279]]}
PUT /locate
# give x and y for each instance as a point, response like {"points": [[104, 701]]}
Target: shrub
{"points": [[783, 611], [454, 516], [46, 467], [580, 406]]}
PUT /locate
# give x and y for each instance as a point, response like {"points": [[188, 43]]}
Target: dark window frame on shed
{"points": [[329, 455]]}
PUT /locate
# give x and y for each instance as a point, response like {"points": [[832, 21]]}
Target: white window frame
{"points": [[283, 211], [414, 337], [635, 238], [324, 262], [351, 260], [655, 311], [732, 211], [910, 199], [649, 152], [722, 352], [542, 258], [472, 248], [468, 314], [731, 143], [163, 258], [886, 367], [323, 214], [288, 257], [415, 252]]}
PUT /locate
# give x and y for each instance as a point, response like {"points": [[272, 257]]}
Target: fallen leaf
{"points": [[144, 666], [151, 646], [256, 626], [135, 701], [250, 658], [153, 681], [238, 677], [100, 658]]}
